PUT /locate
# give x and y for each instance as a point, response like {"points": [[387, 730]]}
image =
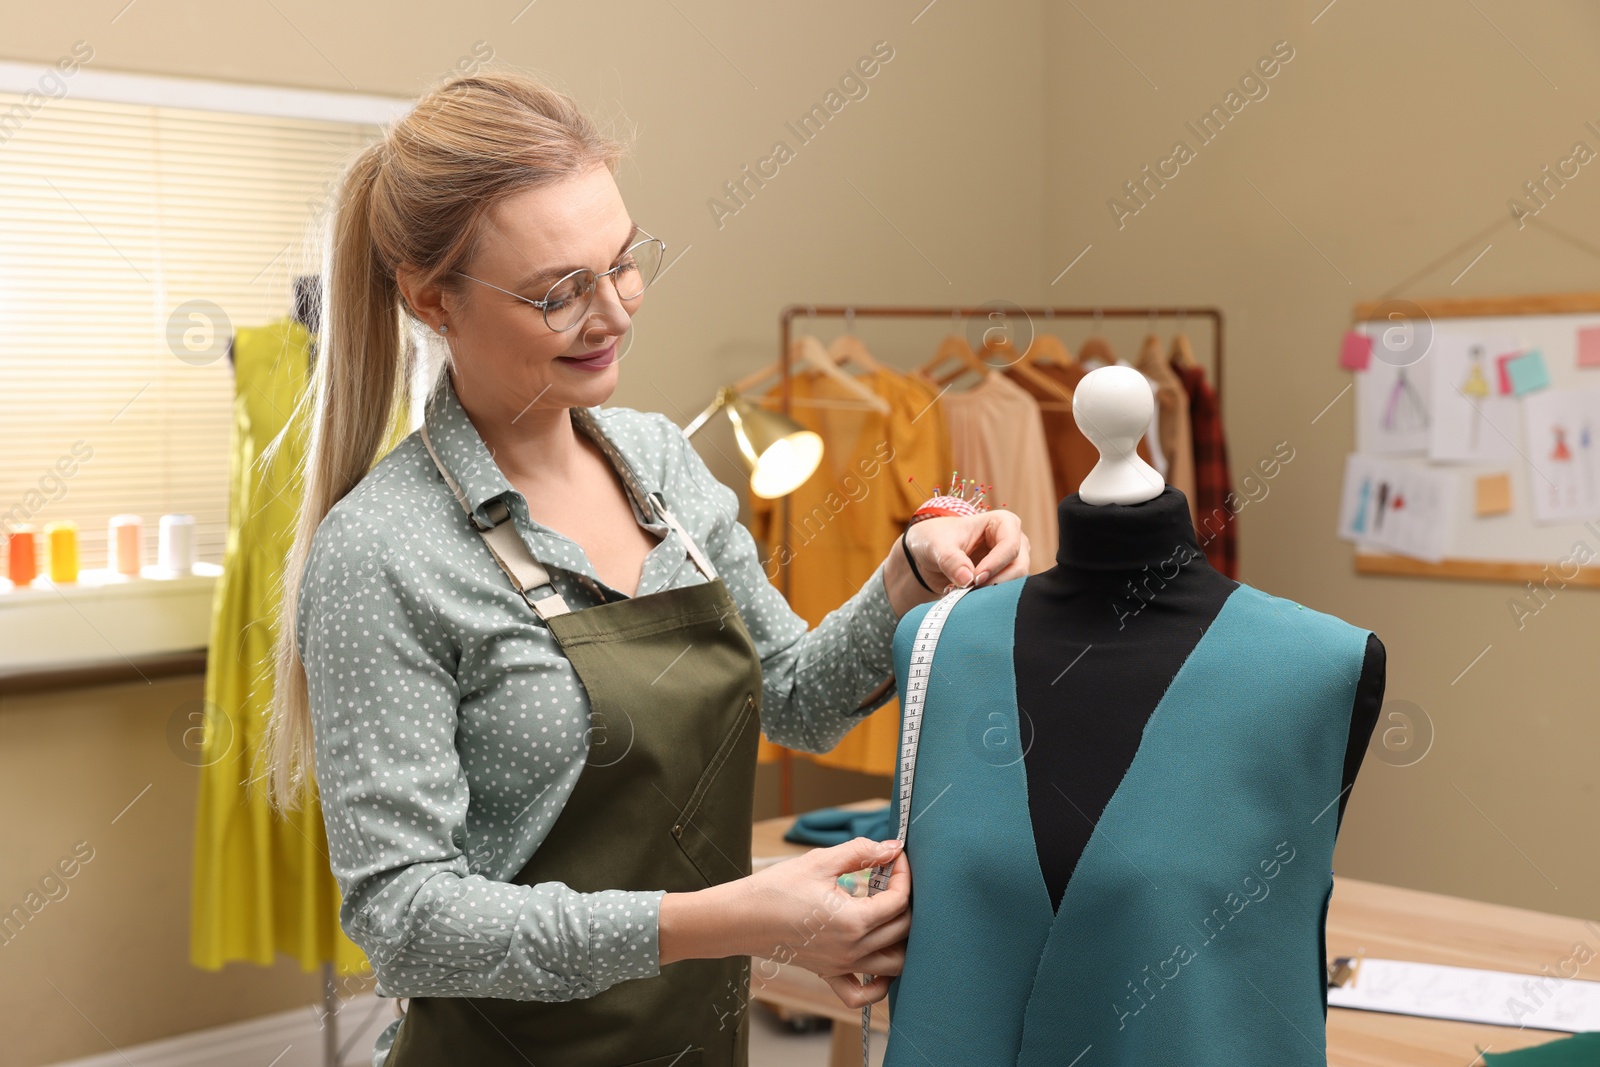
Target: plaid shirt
{"points": [[1218, 534]]}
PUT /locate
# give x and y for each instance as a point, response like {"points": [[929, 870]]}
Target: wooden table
{"points": [[1379, 920]]}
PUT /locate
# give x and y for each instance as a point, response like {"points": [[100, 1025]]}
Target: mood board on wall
{"points": [[1477, 438]]}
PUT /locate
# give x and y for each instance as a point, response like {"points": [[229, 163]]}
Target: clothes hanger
{"points": [[1019, 365], [806, 349], [848, 348], [1182, 352], [1097, 352], [1149, 361], [954, 347], [1047, 349]]}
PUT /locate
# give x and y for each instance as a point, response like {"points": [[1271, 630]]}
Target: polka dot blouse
{"points": [[449, 727]]}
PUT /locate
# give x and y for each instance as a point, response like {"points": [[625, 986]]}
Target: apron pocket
{"points": [[691, 1058], [694, 836]]}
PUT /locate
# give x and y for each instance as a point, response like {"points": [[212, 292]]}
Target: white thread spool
{"points": [[175, 550]]}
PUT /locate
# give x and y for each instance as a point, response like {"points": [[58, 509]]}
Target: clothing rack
{"points": [[1040, 317]]}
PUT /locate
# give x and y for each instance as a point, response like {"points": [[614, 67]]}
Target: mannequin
{"points": [[1130, 777], [305, 311]]}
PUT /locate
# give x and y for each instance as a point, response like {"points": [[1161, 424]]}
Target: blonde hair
{"points": [[416, 198]]}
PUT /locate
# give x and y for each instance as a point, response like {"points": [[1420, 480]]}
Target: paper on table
{"points": [[1466, 994]]}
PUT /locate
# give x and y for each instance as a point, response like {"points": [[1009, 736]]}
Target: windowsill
{"points": [[104, 618]]}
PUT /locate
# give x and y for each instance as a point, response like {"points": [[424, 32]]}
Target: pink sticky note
{"points": [[1502, 375], [1589, 347], [1355, 352]]}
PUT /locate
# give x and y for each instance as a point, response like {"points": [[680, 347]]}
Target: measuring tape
{"points": [[912, 699]]}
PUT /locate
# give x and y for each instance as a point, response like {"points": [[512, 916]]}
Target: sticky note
{"points": [[1355, 352], [1493, 494], [1589, 347], [1527, 373], [1502, 378]]}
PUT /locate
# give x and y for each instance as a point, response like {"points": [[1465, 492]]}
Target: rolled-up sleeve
{"points": [[380, 670], [814, 681]]}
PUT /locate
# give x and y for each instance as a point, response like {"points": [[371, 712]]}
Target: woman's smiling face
{"points": [[507, 360]]}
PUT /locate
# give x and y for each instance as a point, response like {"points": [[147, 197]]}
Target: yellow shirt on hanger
{"points": [[876, 470]]}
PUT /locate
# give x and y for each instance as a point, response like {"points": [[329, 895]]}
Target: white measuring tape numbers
{"points": [[912, 699]]}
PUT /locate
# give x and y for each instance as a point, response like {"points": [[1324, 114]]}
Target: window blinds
{"points": [[132, 240]]}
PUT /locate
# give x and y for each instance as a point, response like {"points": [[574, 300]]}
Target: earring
{"points": [[443, 328]]}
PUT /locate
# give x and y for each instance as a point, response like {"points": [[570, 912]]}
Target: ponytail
{"points": [[415, 198]]}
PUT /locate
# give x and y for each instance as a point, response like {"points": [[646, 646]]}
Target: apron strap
{"points": [[511, 552], [506, 546], [695, 554]]}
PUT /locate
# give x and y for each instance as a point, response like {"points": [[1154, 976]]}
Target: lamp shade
{"points": [[781, 453]]}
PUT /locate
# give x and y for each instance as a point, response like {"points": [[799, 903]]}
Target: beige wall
{"points": [[1395, 134], [118, 944], [977, 167]]}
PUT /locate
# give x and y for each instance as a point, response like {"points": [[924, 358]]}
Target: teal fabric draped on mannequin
{"points": [[1191, 930]]}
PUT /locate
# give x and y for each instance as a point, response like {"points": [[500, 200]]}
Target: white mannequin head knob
{"points": [[1113, 407]]}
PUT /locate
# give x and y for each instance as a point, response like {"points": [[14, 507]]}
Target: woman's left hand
{"points": [[945, 549]]}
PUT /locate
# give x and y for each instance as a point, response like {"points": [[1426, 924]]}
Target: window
{"points": [[133, 238]]}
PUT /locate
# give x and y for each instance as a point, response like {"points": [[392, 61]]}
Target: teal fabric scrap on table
{"points": [[1579, 1050], [835, 826]]}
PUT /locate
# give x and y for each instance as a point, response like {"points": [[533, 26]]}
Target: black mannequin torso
{"points": [[1099, 637]]}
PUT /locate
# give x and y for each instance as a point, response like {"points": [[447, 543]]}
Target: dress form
{"points": [[1130, 774], [1102, 634]]}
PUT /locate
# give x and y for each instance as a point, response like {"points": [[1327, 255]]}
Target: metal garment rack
{"points": [[1039, 316]]}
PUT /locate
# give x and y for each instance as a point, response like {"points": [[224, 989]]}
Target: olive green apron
{"points": [[664, 802]]}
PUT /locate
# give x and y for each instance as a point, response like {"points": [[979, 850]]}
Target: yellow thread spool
{"points": [[63, 538]]}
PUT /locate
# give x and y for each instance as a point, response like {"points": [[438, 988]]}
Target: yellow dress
{"points": [[876, 470], [261, 883]]}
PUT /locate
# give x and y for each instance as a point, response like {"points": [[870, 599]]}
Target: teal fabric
{"points": [[1579, 1050], [1192, 929], [835, 826]]}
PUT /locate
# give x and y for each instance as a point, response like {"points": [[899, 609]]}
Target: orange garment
{"points": [[843, 520], [1072, 456], [997, 437]]}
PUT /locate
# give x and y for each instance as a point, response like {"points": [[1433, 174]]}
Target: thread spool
{"points": [[124, 544], [22, 556], [63, 538], [175, 544]]}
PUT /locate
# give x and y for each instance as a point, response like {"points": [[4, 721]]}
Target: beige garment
{"points": [[997, 437], [1172, 419]]}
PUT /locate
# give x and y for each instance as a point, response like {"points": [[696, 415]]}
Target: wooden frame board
{"points": [[1519, 572]]}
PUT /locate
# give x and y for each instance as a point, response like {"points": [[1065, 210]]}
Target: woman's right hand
{"points": [[796, 912]]}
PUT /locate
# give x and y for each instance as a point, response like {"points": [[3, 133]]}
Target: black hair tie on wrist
{"points": [[916, 573]]}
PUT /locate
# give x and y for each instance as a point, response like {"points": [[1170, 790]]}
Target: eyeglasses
{"points": [[567, 301]]}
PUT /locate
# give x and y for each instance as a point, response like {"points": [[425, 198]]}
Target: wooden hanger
{"points": [[955, 347], [1047, 348], [1149, 361], [1096, 352], [806, 350], [1016, 363], [1182, 352], [848, 348]]}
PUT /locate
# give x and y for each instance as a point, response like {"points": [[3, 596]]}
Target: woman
{"points": [[538, 803]]}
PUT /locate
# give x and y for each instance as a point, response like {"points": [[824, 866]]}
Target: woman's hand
{"points": [[944, 548], [796, 912]]}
